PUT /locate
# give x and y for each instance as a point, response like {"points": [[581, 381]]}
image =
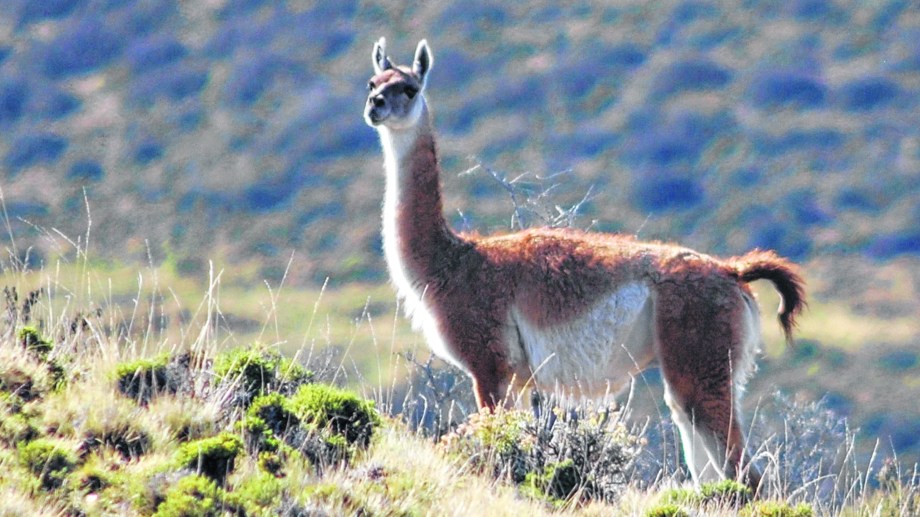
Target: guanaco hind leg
{"points": [[702, 349], [711, 439]]}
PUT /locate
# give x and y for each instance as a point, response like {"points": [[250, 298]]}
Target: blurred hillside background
{"points": [[233, 131]]}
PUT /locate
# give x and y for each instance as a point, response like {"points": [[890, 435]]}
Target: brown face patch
{"points": [[394, 76]]}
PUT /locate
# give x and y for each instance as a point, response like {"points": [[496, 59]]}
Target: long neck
{"points": [[416, 237]]}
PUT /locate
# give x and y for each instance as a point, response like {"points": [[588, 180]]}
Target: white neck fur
{"points": [[398, 144]]}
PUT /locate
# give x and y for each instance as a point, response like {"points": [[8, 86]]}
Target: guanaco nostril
{"points": [[379, 102]]}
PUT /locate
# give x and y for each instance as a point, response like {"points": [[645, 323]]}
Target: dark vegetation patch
{"points": [[84, 45], [869, 93], [213, 457], [34, 149], [792, 89], [690, 75], [50, 461], [257, 371], [588, 456], [154, 52], [86, 170]]}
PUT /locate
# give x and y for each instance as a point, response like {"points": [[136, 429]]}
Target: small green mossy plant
{"points": [[666, 510], [776, 509], [267, 421], [93, 476], [258, 494], [23, 376], [556, 484], [212, 457], [123, 436], [195, 496], [680, 496], [31, 339], [48, 460], [18, 421], [726, 492], [142, 379], [17, 428], [325, 407], [257, 371]]}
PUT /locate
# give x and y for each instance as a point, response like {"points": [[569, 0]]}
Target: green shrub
{"points": [[258, 494], [727, 491], [556, 483], [23, 377], [267, 421], [666, 510], [122, 436], [194, 496], [213, 457], [17, 423], [776, 509], [142, 379], [325, 407], [93, 477], [48, 460], [591, 456], [680, 496], [257, 371], [15, 428], [32, 340]]}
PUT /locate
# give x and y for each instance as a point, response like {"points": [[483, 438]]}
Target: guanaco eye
{"points": [[370, 85], [411, 91]]}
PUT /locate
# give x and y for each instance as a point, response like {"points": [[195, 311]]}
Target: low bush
{"points": [[258, 494], [48, 460], [86, 170], [557, 483], [325, 407], [171, 82], [53, 104], [869, 93], [26, 377], [14, 97], [30, 12], [267, 421], [34, 343], [212, 457], [688, 76], [726, 493], [147, 151], [776, 509], [251, 77], [552, 458], [197, 496], [81, 46], [154, 52], [143, 379], [787, 89], [659, 191], [123, 436], [35, 149], [666, 510], [258, 371]]}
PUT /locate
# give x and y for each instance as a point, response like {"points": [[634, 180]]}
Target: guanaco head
{"points": [[395, 98]]}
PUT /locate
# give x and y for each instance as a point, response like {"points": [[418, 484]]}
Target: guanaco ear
{"points": [[379, 56], [422, 63]]}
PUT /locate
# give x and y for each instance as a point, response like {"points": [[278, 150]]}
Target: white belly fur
{"points": [[593, 355]]}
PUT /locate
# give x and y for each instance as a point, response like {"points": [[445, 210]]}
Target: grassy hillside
{"points": [[197, 176], [93, 426]]}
